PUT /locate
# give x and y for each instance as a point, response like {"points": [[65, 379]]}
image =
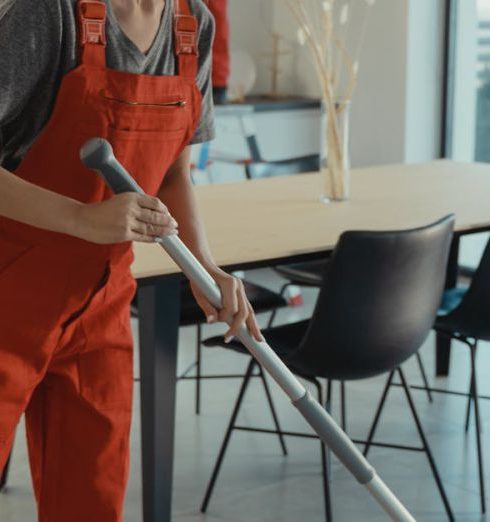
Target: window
{"points": [[482, 139], [467, 133], [467, 129]]}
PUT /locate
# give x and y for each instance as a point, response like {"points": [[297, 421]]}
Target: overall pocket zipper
{"points": [[177, 103]]}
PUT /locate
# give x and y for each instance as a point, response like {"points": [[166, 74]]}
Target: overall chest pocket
{"points": [[147, 155], [116, 134], [167, 114]]}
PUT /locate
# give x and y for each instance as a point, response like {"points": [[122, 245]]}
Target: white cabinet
{"points": [[288, 134], [282, 130]]}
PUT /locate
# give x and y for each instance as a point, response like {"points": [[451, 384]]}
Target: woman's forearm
{"points": [[177, 193], [33, 205]]}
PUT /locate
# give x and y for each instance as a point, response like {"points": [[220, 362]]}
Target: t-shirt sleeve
{"points": [[26, 51], [205, 130]]}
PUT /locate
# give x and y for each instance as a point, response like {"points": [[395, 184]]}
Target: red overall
{"points": [[65, 338]]}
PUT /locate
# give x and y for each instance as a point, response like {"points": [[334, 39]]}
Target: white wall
{"points": [[396, 112], [250, 24], [298, 72], [378, 108]]}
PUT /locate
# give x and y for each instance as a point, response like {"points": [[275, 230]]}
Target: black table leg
{"points": [[159, 314], [443, 342]]}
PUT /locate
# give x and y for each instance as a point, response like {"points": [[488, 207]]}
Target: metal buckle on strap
{"points": [[92, 15], [186, 34]]}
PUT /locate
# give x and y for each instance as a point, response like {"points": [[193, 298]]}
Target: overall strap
{"points": [[185, 36], [91, 31]]}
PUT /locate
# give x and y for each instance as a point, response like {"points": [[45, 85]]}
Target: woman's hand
{"points": [[235, 305], [124, 217]]}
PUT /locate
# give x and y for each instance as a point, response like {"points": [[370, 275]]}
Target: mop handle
{"points": [[98, 155]]}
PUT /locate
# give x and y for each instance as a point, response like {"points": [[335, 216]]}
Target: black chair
{"points": [[268, 169], [467, 319], [377, 304]]}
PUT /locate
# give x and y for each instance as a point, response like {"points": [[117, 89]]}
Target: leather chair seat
{"points": [[308, 274]]}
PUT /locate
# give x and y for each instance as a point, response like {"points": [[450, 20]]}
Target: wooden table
{"points": [[259, 223]]}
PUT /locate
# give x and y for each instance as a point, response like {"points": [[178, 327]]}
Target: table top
{"points": [[278, 218]]}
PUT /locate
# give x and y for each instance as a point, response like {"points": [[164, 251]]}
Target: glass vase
{"points": [[334, 153]]}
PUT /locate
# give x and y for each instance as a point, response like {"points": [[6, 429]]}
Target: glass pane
{"points": [[482, 141], [468, 117]]}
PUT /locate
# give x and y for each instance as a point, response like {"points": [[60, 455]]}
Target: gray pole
{"points": [[97, 154]]}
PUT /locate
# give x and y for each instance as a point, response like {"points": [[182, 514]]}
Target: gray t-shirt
{"points": [[38, 46]]}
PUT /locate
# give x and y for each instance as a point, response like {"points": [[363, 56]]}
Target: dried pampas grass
{"points": [[323, 26]]}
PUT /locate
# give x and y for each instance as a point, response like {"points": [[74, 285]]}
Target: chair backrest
{"points": [[474, 310], [283, 168], [378, 301]]}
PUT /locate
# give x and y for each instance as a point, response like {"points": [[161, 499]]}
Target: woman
{"points": [[136, 72]]}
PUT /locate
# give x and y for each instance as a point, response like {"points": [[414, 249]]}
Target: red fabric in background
{"points": [[221, 48]]}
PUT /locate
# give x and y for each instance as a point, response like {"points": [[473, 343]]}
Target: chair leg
{"points": [[426, 445], [325, 453], [226, 440], [343, 412], [478, 427], [328, 401], [328, 407], [471, 400], [5, 472], [468, 404], [274, 312], [198, 368], [424, 376], [275, 418], [377, 415]]}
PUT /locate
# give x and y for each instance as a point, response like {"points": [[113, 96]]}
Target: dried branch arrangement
{"points": [[324, 26]]}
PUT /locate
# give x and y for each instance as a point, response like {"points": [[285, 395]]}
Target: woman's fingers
{"points": [[126, 217], [253, 325], [151, 203], [208, 309], [152, 218], [242, 312], [152, 231], [236, 307], [229, 298], [152, 210]]}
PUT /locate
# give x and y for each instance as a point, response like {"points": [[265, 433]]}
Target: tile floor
{"points": [[258, 484]]}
